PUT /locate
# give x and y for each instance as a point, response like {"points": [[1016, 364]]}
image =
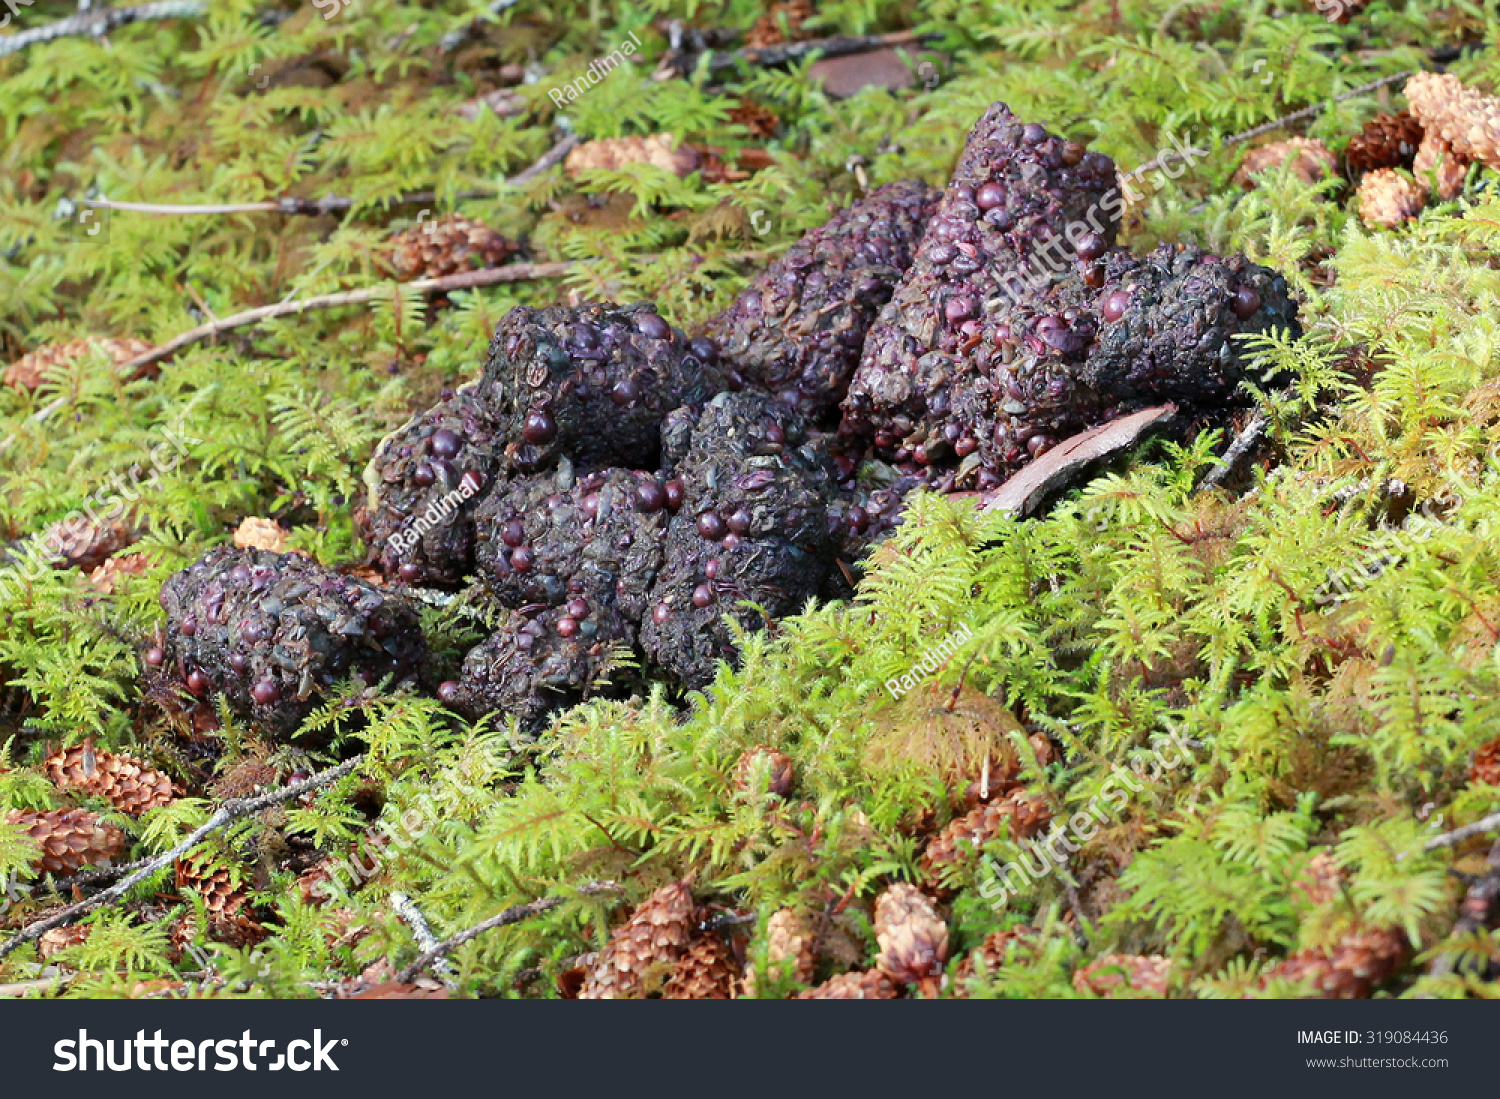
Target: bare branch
{"points": [[230, 811], [1479, 827], [100, 22], [509, 916], [421, 930]]}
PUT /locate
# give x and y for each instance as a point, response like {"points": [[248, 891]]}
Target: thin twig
{"points": [[546, 160], [839, 46], [421, 930], [509, 916], [1458, 835], [230, 811], [1243, 444], [287, 204], [100, 22], [20, 988]]}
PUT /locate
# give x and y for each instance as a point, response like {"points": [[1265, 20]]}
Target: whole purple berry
{"points": [[471, 482], [578, 607], [625, 391], [703, 596], [739, 521], [1115, 305], [650, 497], [990, 196], [1246, 302], [540, 428], [711, 525], [155, 657], [567, 627], [959, 307], [711, 568], [660, 613], [652, 326], [676, 494], [447, 692], [424, 475], [445, 443], [1091, 246], [513, 534], [188, 626], [197, 683], [409, 573], [522, 558], [238, 662], [266, 692]]}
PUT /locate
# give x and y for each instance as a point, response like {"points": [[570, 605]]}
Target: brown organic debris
{"points": [[70, 839], [1310, 159], [781, 22], [85, 543], [1485, 770], [126, 783], [959, 738], [221, 887], [59, 939], [706, 971], [912, 935], [1386, 141], [1466, 119], [873, 984], [110, 576], [986, 959], [1439, 163], [1388, 199], [30, 371], [1352, 969], [450, 245], [763, 769], [1146, 974], [661, 150], [261, 534], [642, 950]]}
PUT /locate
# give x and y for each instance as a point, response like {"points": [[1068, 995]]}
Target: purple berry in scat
{"points": [[774, 434], [650, 497], [964, 447], [1091, 246], [522, 558], [858, 519], [703, 348], [735, 381], [445, 443], [625, 391], [409, 573], [676, 494], [703, 596], [424, 475], [578, 608], [589, 505], [471, 482], [447, 692], [958, 308], [513, 534], [711, 525], [540, 428], [660, 613], [1115, 305], [790, 397], [254, 630], [990, 196], [238, 662], [1246, 302], [652, 327], [739, 521], [567, 627], [266, 692], [524, 641], [188, 626], [197, 683], [239, 576], [731, 541], [711, 568], [1033, 133], [155, 657], [585, 336]]}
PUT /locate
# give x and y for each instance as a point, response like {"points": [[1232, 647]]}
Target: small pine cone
{"points": [[447, 246], [1387, 141], [1150, 974], [126, 783], [1388, 199], [775, 767], [791, 948], [1355, 967], [109, 576], [1485, 770], [1030, 814], [1439, 161], [1464, 118], [30, 371], [706, 971], [873, 984], [219, 884], [71, 839], [59, 939], [913, 938], [1321, 879], [82, 543], [768, 28], [262, 534], [652, 938], [986, 958], [1310, 159], [760, 121], [959, 842], [610, 153]]}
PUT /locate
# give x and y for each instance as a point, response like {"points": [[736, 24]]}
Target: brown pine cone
{"points": [[1438, 161], [987, 958], [1310, 159], [1355, 967], [760, 121], [1150, 974], [1387, 141], [791, 948], [641, 949], [1321, 879], [1485, 770], [83, 543], [447, 246], [768, 28], [1388, 199], [220, 885], [30, 371], [958, 844], [706, 971], [109, 576], [126, 783], [609, 153], [870, 985], [1464, 118], [71, 839], [58, 939], [764, 768], [913, 938]]}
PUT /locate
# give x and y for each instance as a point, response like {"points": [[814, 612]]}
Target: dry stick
{"points": [[547, 160], [468, 280], [828, 47], [230, 811], [100, 22], [1458, 835], [509, 916], [421, 930], [1243, 444]]}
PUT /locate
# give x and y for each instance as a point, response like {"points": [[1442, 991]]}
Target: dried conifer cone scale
{"points": [[1386, 141], [126, 783], [644, 947], [70, 839]]}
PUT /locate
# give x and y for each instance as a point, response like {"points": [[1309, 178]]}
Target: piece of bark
{"points": [[841, 77], [1024, 493]]}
